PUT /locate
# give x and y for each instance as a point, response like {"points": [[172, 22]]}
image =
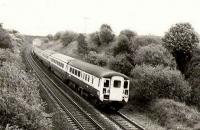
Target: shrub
{"points": [[158, 82], [20, 103], [5, 39], [154, 55], [106, 35], [175, 115], [121, 64], [96, 59], [68, 37], [180, 40]]}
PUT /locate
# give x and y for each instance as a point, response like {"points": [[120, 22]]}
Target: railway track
{"points": [[124, 122], [78, 118]]}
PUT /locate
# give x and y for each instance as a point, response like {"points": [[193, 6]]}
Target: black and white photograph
{"points": [[99, 65]]}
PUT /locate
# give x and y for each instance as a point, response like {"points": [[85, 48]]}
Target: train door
{"points": [[116, 88]]}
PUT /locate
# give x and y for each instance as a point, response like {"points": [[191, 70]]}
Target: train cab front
{"points": [[115, 91]]}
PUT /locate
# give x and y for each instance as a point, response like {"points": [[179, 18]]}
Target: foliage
{"points": [[5, 40], [123, 45], [121, 64], [57, 36], [158, 82], [175, 115], [130, 34], [180, 40], [20, 104], [154, 55], [96, 59], [145, 40], [82, 44], [68, 37], [193, 74], [106, 35], [50, 37], [94, 37]]}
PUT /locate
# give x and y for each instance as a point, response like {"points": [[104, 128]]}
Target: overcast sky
{"points": [[41, 17]]}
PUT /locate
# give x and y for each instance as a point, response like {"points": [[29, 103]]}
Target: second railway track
{"points": [[78, 118]]}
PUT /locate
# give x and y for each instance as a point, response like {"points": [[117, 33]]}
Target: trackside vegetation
{"points": [[21, 106]]}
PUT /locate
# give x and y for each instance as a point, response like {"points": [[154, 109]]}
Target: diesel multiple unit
{"points": [[106, 86]]}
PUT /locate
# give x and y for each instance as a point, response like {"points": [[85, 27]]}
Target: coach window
{"points": [[79, 73], [106, 83], [75, 72], [70, 69], [85, 76], [125, 84], [88, 78], [92, 79], [117, 84]]}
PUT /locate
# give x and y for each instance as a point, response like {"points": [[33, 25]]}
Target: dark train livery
{"points": [[107, 86]]}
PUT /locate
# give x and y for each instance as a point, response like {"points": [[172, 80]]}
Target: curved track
{"points": [[77, 117]]}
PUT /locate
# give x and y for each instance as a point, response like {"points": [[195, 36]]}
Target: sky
{"points": [[42, 17]]}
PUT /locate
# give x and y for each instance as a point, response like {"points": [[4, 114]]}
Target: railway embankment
{"points": [[21, 106]]}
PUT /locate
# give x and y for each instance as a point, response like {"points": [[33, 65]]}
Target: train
{"points": [[106, 87]]}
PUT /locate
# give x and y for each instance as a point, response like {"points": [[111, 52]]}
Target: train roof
{"points": [[62, 57], [95, 70]]}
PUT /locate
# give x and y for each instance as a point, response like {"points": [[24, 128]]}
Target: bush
{"points": [[5, 39], [180, 40], [175, 115], [154, 55], [121, 64], [158, 82], [20, 103], [96, 59], [68, 37]]}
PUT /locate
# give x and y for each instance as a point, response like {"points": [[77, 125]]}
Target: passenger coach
{"points": [[107, 86]]}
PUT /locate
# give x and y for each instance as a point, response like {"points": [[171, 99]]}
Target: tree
{"points": [[106, 35], [50, 37], [123, 45], [154, 55], [68, 37], [180, 40], [57, 36], [145, 40], [130, 34], [158, 82], [82, 44], [121, 64], [94, 37]]}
